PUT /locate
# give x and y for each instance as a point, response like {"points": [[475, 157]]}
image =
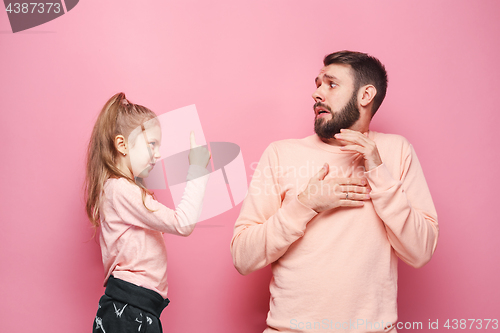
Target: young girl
{"points": [[122, 150]]}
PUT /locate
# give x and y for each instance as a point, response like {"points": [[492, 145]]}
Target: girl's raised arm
{"points": [[126, 198]]}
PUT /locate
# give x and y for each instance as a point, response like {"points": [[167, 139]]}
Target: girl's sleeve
{"points": [[127, 200]]}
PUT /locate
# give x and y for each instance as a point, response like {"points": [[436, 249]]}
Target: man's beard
{"points": [[349, 114]]}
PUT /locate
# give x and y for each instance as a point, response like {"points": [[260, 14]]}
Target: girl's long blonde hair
{"points": [[117, 117]]}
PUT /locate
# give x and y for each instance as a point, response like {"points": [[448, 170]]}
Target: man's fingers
{"points": [[351, 203], [354, 189], [355, 137], [358, 156], [356, 148], [353, 199], [350, 181], [323, 172]]}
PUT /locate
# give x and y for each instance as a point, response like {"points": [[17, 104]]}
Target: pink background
{"points": [[249, 66]]}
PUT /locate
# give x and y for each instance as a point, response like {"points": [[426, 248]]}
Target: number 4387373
{"points": [[463, 324], [33, 8]]}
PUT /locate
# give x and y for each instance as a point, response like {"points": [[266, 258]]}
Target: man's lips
{"points": [[321, 110]]}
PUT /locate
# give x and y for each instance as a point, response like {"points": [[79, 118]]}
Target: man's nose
{"points": [[318, 95]]}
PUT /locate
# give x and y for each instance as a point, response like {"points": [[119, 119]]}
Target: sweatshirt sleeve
{"points": [[265, 229], [406, 208], [127, 201]]}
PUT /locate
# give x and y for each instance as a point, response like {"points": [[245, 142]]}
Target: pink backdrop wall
{"points": [[249, 66]]}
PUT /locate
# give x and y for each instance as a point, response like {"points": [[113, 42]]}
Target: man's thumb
{"points": [[323, 171]]}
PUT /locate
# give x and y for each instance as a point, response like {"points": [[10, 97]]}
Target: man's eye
{"points": [[332, 85]]}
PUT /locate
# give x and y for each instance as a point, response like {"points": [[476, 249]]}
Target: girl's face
{"points": [[145, 151]]}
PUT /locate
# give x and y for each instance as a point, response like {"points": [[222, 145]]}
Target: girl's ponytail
{"points": [[117, 117]]}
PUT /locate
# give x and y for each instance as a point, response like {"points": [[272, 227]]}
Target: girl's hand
{"points": [[198, 154]]}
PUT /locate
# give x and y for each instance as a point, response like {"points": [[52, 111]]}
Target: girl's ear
{"points": [[120, 144]]}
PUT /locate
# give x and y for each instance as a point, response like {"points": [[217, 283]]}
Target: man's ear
{"points": [[367, 94]]}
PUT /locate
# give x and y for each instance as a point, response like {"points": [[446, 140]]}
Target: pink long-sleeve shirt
{"points": [[335, 270], [131, 237]]}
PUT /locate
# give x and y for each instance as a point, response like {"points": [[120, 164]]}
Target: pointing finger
{"points": [[193, 141]]}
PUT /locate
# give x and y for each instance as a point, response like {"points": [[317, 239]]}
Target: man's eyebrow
{"points": [[330, 77]]}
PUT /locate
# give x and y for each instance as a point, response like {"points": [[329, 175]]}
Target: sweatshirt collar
{"points": [[334, 149]]}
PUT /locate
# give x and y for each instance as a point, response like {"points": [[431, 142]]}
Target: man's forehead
{"points": [[325, 71], [337, 71], [321, 73]]}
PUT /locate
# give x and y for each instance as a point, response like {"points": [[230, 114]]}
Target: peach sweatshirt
{"points": [[334, 271], [131, 237]]}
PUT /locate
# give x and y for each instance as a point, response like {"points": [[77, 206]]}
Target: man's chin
{"points": [[324, 135]]}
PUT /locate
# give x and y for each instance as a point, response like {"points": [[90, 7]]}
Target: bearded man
{"points": [[333, 211]]}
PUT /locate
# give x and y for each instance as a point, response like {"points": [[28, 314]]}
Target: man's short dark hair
{"points": [[367, 70]]}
